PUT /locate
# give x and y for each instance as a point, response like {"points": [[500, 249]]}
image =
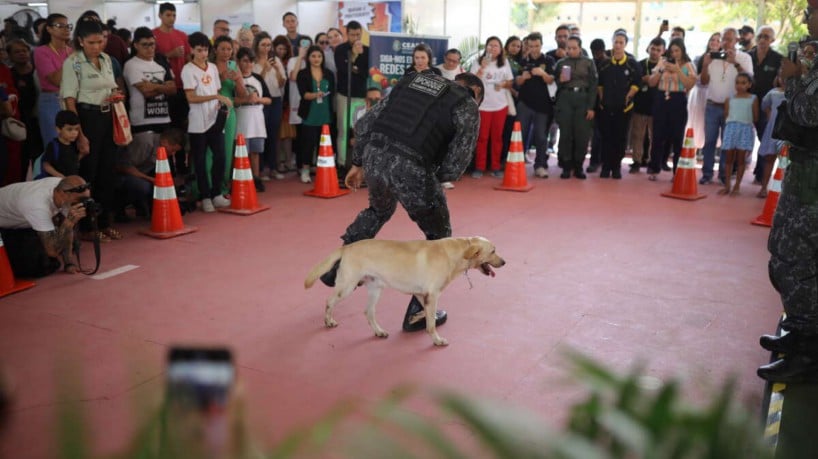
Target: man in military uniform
{"points": [[793, 242], [422, 134], [576, 98]]}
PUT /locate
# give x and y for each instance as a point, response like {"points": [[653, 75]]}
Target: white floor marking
{"points": [[114, 272]]}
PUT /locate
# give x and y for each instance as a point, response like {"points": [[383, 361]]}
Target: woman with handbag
{"points": [[86, 88]]}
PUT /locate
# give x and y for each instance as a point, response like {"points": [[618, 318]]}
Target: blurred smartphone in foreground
{"points": [[199, 383], [201, 377]]}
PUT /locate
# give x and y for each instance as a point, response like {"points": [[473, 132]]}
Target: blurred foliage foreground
{"points": [[621, 417]]}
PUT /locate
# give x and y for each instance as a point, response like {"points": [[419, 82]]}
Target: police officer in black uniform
{"points": [[793, 242], [422, 134]]}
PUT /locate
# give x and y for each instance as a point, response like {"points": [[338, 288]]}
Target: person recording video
{"points": [[37, 221]]}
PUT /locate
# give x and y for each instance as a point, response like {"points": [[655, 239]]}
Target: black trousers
{"points": [[309, 138], [613, 125], [26, 253], [213, 138], [669, 120], [97, 167]]}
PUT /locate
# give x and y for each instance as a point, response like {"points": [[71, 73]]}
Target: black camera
{"points": [[92, 208], [718, 55], [184, 194], [670, 60]]}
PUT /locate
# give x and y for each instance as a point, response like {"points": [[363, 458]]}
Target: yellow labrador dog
{"points": [[420, 268]]}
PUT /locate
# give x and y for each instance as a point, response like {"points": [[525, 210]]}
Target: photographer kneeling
{"points": [[37, 221]]}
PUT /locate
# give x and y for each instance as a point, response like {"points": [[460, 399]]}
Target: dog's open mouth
{"points": [[485, 268]]}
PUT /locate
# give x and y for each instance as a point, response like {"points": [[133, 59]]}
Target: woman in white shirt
{"points": [[201, 82], [271, 69], [497, 78]]}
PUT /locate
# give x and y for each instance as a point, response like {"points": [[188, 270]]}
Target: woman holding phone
{"points": [[231, 88], [271, 69], [495, 71], [316, 85]]}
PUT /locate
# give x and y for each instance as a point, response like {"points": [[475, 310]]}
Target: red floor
{"points": [[606, 267]]}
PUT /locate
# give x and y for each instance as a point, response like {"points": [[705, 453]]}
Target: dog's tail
{"points": [[322, 267]]}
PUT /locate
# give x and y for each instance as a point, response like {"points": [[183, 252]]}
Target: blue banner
{"points": [[390, 55]]}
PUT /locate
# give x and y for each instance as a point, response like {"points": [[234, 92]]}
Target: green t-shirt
{"points": [[319, 112]]}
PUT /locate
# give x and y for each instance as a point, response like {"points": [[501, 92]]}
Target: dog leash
{"points": [[466, 272]]}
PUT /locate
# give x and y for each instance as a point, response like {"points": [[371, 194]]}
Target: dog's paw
{"points": [[382, 334], [441, 342], [330, 323]]}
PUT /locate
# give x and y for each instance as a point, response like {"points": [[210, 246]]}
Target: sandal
{"points": [[89, 236], [113, 233]]}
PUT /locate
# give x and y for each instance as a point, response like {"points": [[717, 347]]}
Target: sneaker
{"points": [[616, 174], [476, 174], [264, 178], [566, 173], [220, 201], [705, 181], [447, 185], [498, 174], [207, 205], [305, 176], [634, 169], [278, 175], [605, 173], [592, 168], [541, 172]]}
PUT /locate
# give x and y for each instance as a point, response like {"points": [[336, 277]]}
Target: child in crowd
{"points": [[61, 157], [740, 114], [250, 111], [769, 147]]}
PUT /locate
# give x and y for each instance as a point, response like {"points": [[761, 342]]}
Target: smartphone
{"points": [[199, 382], [304, 43], [665, 22], [670, 60], [565, 73], [271, 54], [718, 55], [200, 378]]}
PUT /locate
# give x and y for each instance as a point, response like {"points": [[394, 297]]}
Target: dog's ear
{"points": [[472, 251]]}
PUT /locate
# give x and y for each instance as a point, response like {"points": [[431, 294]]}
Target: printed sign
{"points": [[391, 54]]}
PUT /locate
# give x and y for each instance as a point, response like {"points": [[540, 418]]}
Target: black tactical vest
{"points": [[419, 114]]}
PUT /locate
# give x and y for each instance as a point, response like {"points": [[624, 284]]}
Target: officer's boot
{"points": [[415, 319]]}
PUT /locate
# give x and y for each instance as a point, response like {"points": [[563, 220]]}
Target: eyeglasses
{"points": [[148, 44], [79, 188], [58, 25]]}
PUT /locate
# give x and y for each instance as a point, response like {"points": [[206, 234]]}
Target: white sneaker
{"points": [[447, 185], [220, 201], [278, 175], [541, 172], [264, 178], [305, 176], [207, 205]]}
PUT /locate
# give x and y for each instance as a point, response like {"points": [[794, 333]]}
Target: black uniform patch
{"points": [[428, 85]]}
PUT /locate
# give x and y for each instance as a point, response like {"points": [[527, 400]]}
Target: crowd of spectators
{"points": [[194, 93]]}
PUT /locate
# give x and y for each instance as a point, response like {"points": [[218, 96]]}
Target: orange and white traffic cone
{"points": [[166, 221], [326, 176], [774, 190], [514, 178], [8, 284], [685, 185], [243, 198]]}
